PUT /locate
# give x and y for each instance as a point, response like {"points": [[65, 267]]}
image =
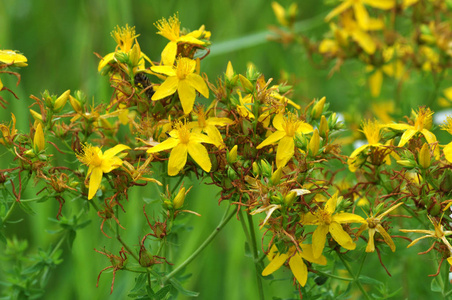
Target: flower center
{"points": [[324, 216], [371, 130], [423, 119], [90, 156], [185, 66], [124, 37], [170, 28], [183, 132]]}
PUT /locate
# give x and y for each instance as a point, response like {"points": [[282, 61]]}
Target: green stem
{"points": [[355, 277], [250, 237], [223, 222]]}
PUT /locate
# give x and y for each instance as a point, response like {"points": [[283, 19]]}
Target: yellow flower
{"points": [[170, 29], [286, 129], [438, 233], [327, 221], [208, 125], [125, 38], [99, 163], [296, 263], [183, 141], [373, 224], [360, 12], [447, 125], [13, 58], [182, 79], [8, 132], [371, 130], [422, 124]]}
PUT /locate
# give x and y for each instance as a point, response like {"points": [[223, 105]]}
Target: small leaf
{"points": [[163, 292], [183, 291], [434, 286]]}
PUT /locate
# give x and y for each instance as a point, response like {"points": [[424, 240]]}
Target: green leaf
{"points": [[26, 208], [369, 280], [140, 282], [163, 292], [434, 286], [183, 291]]}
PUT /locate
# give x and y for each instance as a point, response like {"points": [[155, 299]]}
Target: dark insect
{"points": [[142, 80]]}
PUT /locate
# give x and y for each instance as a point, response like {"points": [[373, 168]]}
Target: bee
{"points": [[142, 80]]}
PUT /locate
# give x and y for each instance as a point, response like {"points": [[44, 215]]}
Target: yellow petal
{"points": [[299, 269], [169, 53], [167, 88], [276, 263], [165, 145], [273, 138], [200, 155], [406, 136], [187, 95], [198, 83], [342, 7], [319, 239], [278, 122], [386, 237], [331, 204], [348, 218], [371, 243], [105, 60], [340, 236], [448, 152], [381, 4], [115, 150], [365, 41], [361, 15], [308, 254], [94, 182], [177, 159], [285, 151]]}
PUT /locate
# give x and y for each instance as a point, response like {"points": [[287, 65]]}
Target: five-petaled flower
{"points": [[99, 163], [286, 129], [328, 221], [295, 258], [373, 224], [183, 141], [182, 79], [170, 29]]}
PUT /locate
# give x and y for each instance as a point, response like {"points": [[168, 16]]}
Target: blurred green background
{"points": [[59, 39]]}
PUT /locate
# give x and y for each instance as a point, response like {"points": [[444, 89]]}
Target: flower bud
{"points": [[232, 174], [135, 55], [290, 198], [232, 155], [76, 105], [178, 201], [229, 75], [255, 168], [36, 116], [323, 127], [246, 84], [317, 110], [61, 101], [314, 143], [424, 156], [406, 163], [39, 140], [266, 168], [276, 176]]}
